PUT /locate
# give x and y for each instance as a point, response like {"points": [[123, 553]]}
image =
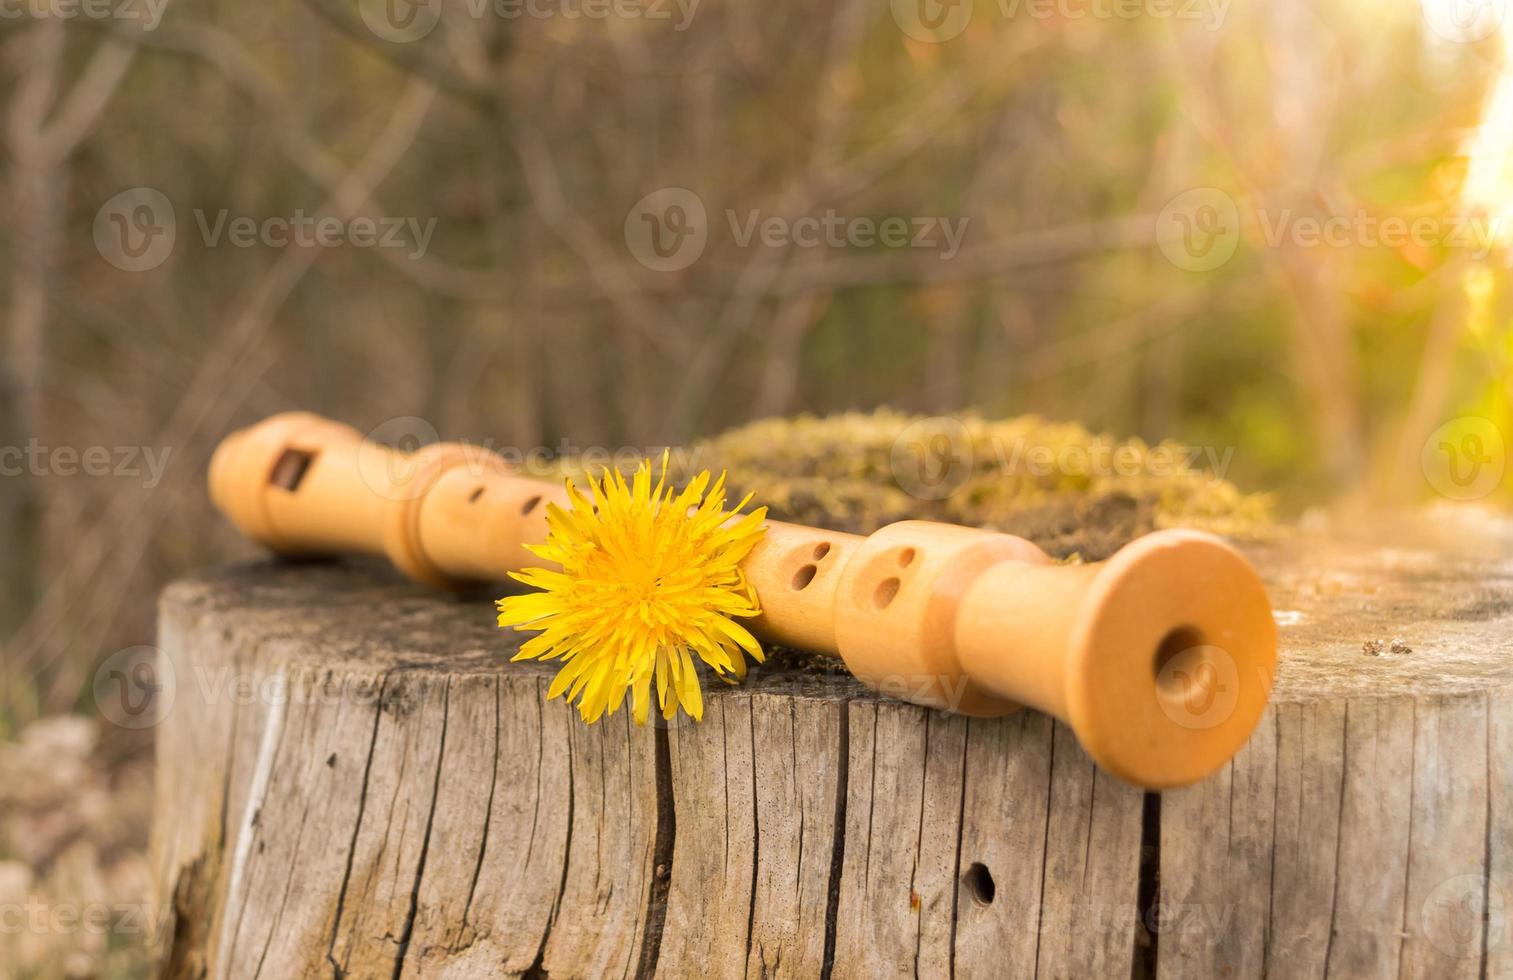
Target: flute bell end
{"points": [[1172, 660]]}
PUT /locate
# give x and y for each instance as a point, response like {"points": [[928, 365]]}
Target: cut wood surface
{"points": [[353, 781]]}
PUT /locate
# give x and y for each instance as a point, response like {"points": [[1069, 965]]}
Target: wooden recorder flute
{"points": [[1160, 659]]}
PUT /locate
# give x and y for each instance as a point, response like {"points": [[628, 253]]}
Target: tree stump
{"points": [[353, 781]]}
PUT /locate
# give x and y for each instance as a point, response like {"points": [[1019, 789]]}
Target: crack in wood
{"points": [[1486, 881], [488, 817], [425, 844], [1339, 828], [656, 900], [1143, 965], [362, 802], [838, 848], [756, 841]]}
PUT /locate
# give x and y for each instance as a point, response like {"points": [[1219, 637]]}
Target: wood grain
{"points": [[353, 781]]}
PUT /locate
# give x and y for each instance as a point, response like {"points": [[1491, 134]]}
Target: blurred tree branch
{"points": [[222, 379], [44, 126]]}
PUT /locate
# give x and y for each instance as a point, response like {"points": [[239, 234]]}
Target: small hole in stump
{"points": [[803, 577], [473, 497], [529, 505], [886, 590], [979, 881], [821, 550]]}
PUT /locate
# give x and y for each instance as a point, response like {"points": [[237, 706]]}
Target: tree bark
{"points": [[353, 781]]}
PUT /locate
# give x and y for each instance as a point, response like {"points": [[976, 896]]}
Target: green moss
{"points": [[1070, 491]]}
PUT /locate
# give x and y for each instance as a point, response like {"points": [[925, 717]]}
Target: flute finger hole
{"points": [[289, 471], [803, 577], [530, 505], [821, 550], [906, 557], [473, 497], [886, 590]]}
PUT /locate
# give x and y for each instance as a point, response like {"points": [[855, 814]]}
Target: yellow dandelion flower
{"points": [[647, 580]]}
